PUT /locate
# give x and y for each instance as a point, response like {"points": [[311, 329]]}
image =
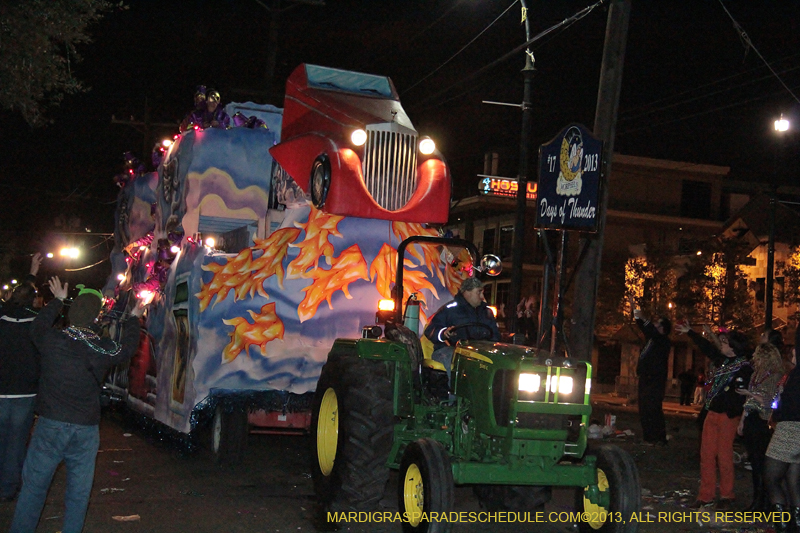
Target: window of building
{"points": [[761, 289], [487, 247], [696, 199], [490, 163], [506, 241]]}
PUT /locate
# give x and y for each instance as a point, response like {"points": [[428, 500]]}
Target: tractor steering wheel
{"points": [[477, 336]]}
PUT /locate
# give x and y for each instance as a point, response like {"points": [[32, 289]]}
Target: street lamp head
{"points": [[781, 124]]}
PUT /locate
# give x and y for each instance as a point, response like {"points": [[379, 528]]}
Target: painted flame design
{"points": [[429, 255], [245, 275], [266, 326], [350, 266], [382, 272], [319, 228]]}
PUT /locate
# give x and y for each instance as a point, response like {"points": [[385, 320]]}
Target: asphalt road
{"points": [[142, 484]]}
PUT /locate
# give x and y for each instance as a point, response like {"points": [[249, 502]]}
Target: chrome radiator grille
{"points": [[390, 165]]}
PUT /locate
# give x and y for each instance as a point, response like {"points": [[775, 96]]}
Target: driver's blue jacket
{"points": [[457, 313]]}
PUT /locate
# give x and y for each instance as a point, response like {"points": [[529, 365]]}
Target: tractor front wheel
{"points": [[426, 486], [619, 495]]}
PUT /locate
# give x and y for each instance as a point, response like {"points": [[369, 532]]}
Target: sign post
{"points": [[569, 181], [568, 198]]}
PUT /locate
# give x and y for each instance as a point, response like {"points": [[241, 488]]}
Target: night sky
{"points": [[692, 91]]}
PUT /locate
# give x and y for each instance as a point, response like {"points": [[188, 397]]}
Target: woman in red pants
{"points": [[732, 372]]}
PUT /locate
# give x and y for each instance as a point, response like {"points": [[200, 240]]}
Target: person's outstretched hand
{"points": [[683, 326], [36, 262], [58, 290]]}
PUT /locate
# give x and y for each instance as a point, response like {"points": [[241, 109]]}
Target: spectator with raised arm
{"points": [[19, 380], [724, 406], [74, 361], [652, 372]]}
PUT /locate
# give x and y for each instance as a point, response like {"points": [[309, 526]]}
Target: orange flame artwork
{"points": [[245, 275], [275, 248], [226, 277], [350, 266], [319, 228], [430, 252], [266, 327], [382, 271]]}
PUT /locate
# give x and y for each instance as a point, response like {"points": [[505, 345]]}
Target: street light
{"points": [[781, 126]]}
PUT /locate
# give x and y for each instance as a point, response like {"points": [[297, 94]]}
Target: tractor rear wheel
{"points": [[618, 482], [512, 497], [426, 486], [352, 425]]}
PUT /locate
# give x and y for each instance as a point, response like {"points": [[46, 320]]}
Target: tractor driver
{"points": [[444, 330]]}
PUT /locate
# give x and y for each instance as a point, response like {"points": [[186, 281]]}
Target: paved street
{"points": [[138, 475]]}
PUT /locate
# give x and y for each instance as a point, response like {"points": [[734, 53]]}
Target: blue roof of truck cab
{"points": [[351, 82]]}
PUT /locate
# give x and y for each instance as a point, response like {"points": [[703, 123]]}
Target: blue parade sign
{"points": [[569, 180]]}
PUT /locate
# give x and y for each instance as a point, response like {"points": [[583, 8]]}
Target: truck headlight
{"points": [[427, 146], [529, 382], [563, 384], [358, 137]]}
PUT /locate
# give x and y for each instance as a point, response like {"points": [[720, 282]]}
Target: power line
{"points": [[700, 113], [434, 71], [748, 43], [561, 26], [696, 98], [696, 89]]}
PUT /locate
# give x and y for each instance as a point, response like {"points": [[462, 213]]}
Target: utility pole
{"points": [[147, 129], [275, 10], [605, 122], [770, 261], [522, 184], [781, 127]]}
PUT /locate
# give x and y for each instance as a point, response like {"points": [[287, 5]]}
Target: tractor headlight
{"points": [[529, 382], [562, 384], [385, 311]]}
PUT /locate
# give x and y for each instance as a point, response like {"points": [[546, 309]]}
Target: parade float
{"points": [[259, 247]]}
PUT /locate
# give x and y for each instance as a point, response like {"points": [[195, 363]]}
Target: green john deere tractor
{"points": [[512, 423]]}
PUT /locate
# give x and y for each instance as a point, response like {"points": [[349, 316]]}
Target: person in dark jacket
{"points": [[468, 307], [652, 372], [19, 378], [782, 463], [687, 380], [732, 371], [73, 365]]}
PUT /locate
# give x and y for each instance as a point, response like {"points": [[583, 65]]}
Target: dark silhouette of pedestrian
{"points": [[652, 372], [19, 381], [687, 380]]}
